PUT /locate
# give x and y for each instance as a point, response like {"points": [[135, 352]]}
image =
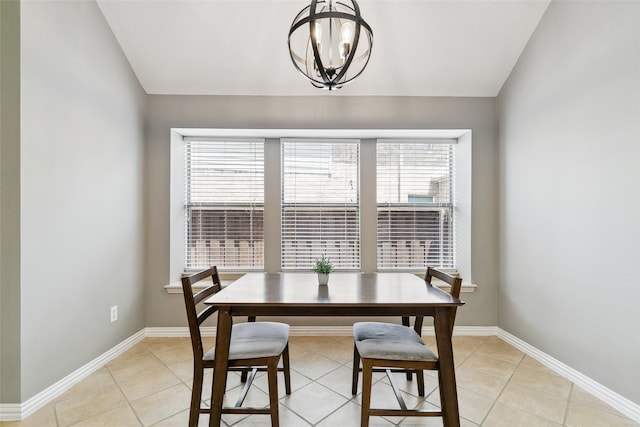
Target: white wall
{"points": [[323, 112], [570, 192], [81, 183]]}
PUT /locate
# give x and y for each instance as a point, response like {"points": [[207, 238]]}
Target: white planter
{"points": [[323, 279]]}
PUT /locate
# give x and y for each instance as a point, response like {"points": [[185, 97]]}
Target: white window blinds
{"points": [[320, 203], [415, 205], [224, 203]]}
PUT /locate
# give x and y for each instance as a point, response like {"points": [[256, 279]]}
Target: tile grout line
{"points": [[122, 391], [493, 404], [566, 409], [55, 411], [180, 381], [532, 389], [339, 358]]}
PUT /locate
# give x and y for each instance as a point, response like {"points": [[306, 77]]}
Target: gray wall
{"points": [[81, 181], [9, 201], [569, 197], [325, 112], [75, 172]]}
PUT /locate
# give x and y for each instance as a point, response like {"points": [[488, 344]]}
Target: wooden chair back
{"points": [[196, 315], [409, 366], [454, 282], [456, 285]]}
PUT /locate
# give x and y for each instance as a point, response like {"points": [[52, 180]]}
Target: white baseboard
{"points": [[10, 412], [210, 331], [317, 331], [613, 399], [15, 411], [174, 332]]}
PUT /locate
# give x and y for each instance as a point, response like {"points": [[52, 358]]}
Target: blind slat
{"points": [[320, 211], [320, 204], [224, 204], [415, 205]]}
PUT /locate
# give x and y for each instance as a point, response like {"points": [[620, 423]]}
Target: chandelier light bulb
{"points": [[318, 32], [347, 31]]}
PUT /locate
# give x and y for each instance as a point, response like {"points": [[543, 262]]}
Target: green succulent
{"points": [[323, 266]]}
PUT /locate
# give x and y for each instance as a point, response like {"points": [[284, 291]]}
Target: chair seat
{"points": [[377, 340], [254, 340], [253, 346]]}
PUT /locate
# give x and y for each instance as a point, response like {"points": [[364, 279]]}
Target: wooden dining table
{"points": [[347, 294]]}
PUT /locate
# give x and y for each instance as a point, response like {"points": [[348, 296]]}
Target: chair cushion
{"points": [[251, 340], [377, 340]]}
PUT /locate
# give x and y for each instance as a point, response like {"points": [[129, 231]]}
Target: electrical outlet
{"points": [[114, 313]]}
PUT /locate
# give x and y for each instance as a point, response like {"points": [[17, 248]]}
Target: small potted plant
{"points": [[323, 267]]}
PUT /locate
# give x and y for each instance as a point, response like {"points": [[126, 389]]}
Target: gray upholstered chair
{"points": [[253, 345], [392, 347]]}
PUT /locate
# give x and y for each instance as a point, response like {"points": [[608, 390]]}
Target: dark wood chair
{"points": [[254, 346], [391, 348]]}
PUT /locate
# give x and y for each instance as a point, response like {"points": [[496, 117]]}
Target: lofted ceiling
{"points": [[239, 47]]}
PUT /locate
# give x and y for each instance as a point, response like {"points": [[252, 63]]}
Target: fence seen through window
{"points": [[319, 204]]}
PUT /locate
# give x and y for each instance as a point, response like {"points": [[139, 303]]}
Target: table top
{"points": [[346, 293]]}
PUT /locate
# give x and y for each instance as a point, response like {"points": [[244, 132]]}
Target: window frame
{"points": [[368, 138]]}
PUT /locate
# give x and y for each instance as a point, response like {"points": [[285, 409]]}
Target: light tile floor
{"points": [[498, 386]]}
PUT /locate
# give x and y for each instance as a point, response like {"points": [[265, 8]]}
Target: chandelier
{"points": [[325, 43]]}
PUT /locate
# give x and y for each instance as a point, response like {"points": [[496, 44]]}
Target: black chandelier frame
{"points": [[332, 78]]}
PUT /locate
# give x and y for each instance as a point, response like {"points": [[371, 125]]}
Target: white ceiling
{"points": [[239, 47]]}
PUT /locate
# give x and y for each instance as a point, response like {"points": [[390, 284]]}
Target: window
{"points": [[320, 203], [224, 200], [278, 203], [415, 205]]}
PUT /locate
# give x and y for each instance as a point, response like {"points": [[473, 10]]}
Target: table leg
{"points": [[448, 392], [223, 338]]}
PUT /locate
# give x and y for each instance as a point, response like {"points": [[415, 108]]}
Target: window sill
{"points": [[176, 287], [466, 287]]}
